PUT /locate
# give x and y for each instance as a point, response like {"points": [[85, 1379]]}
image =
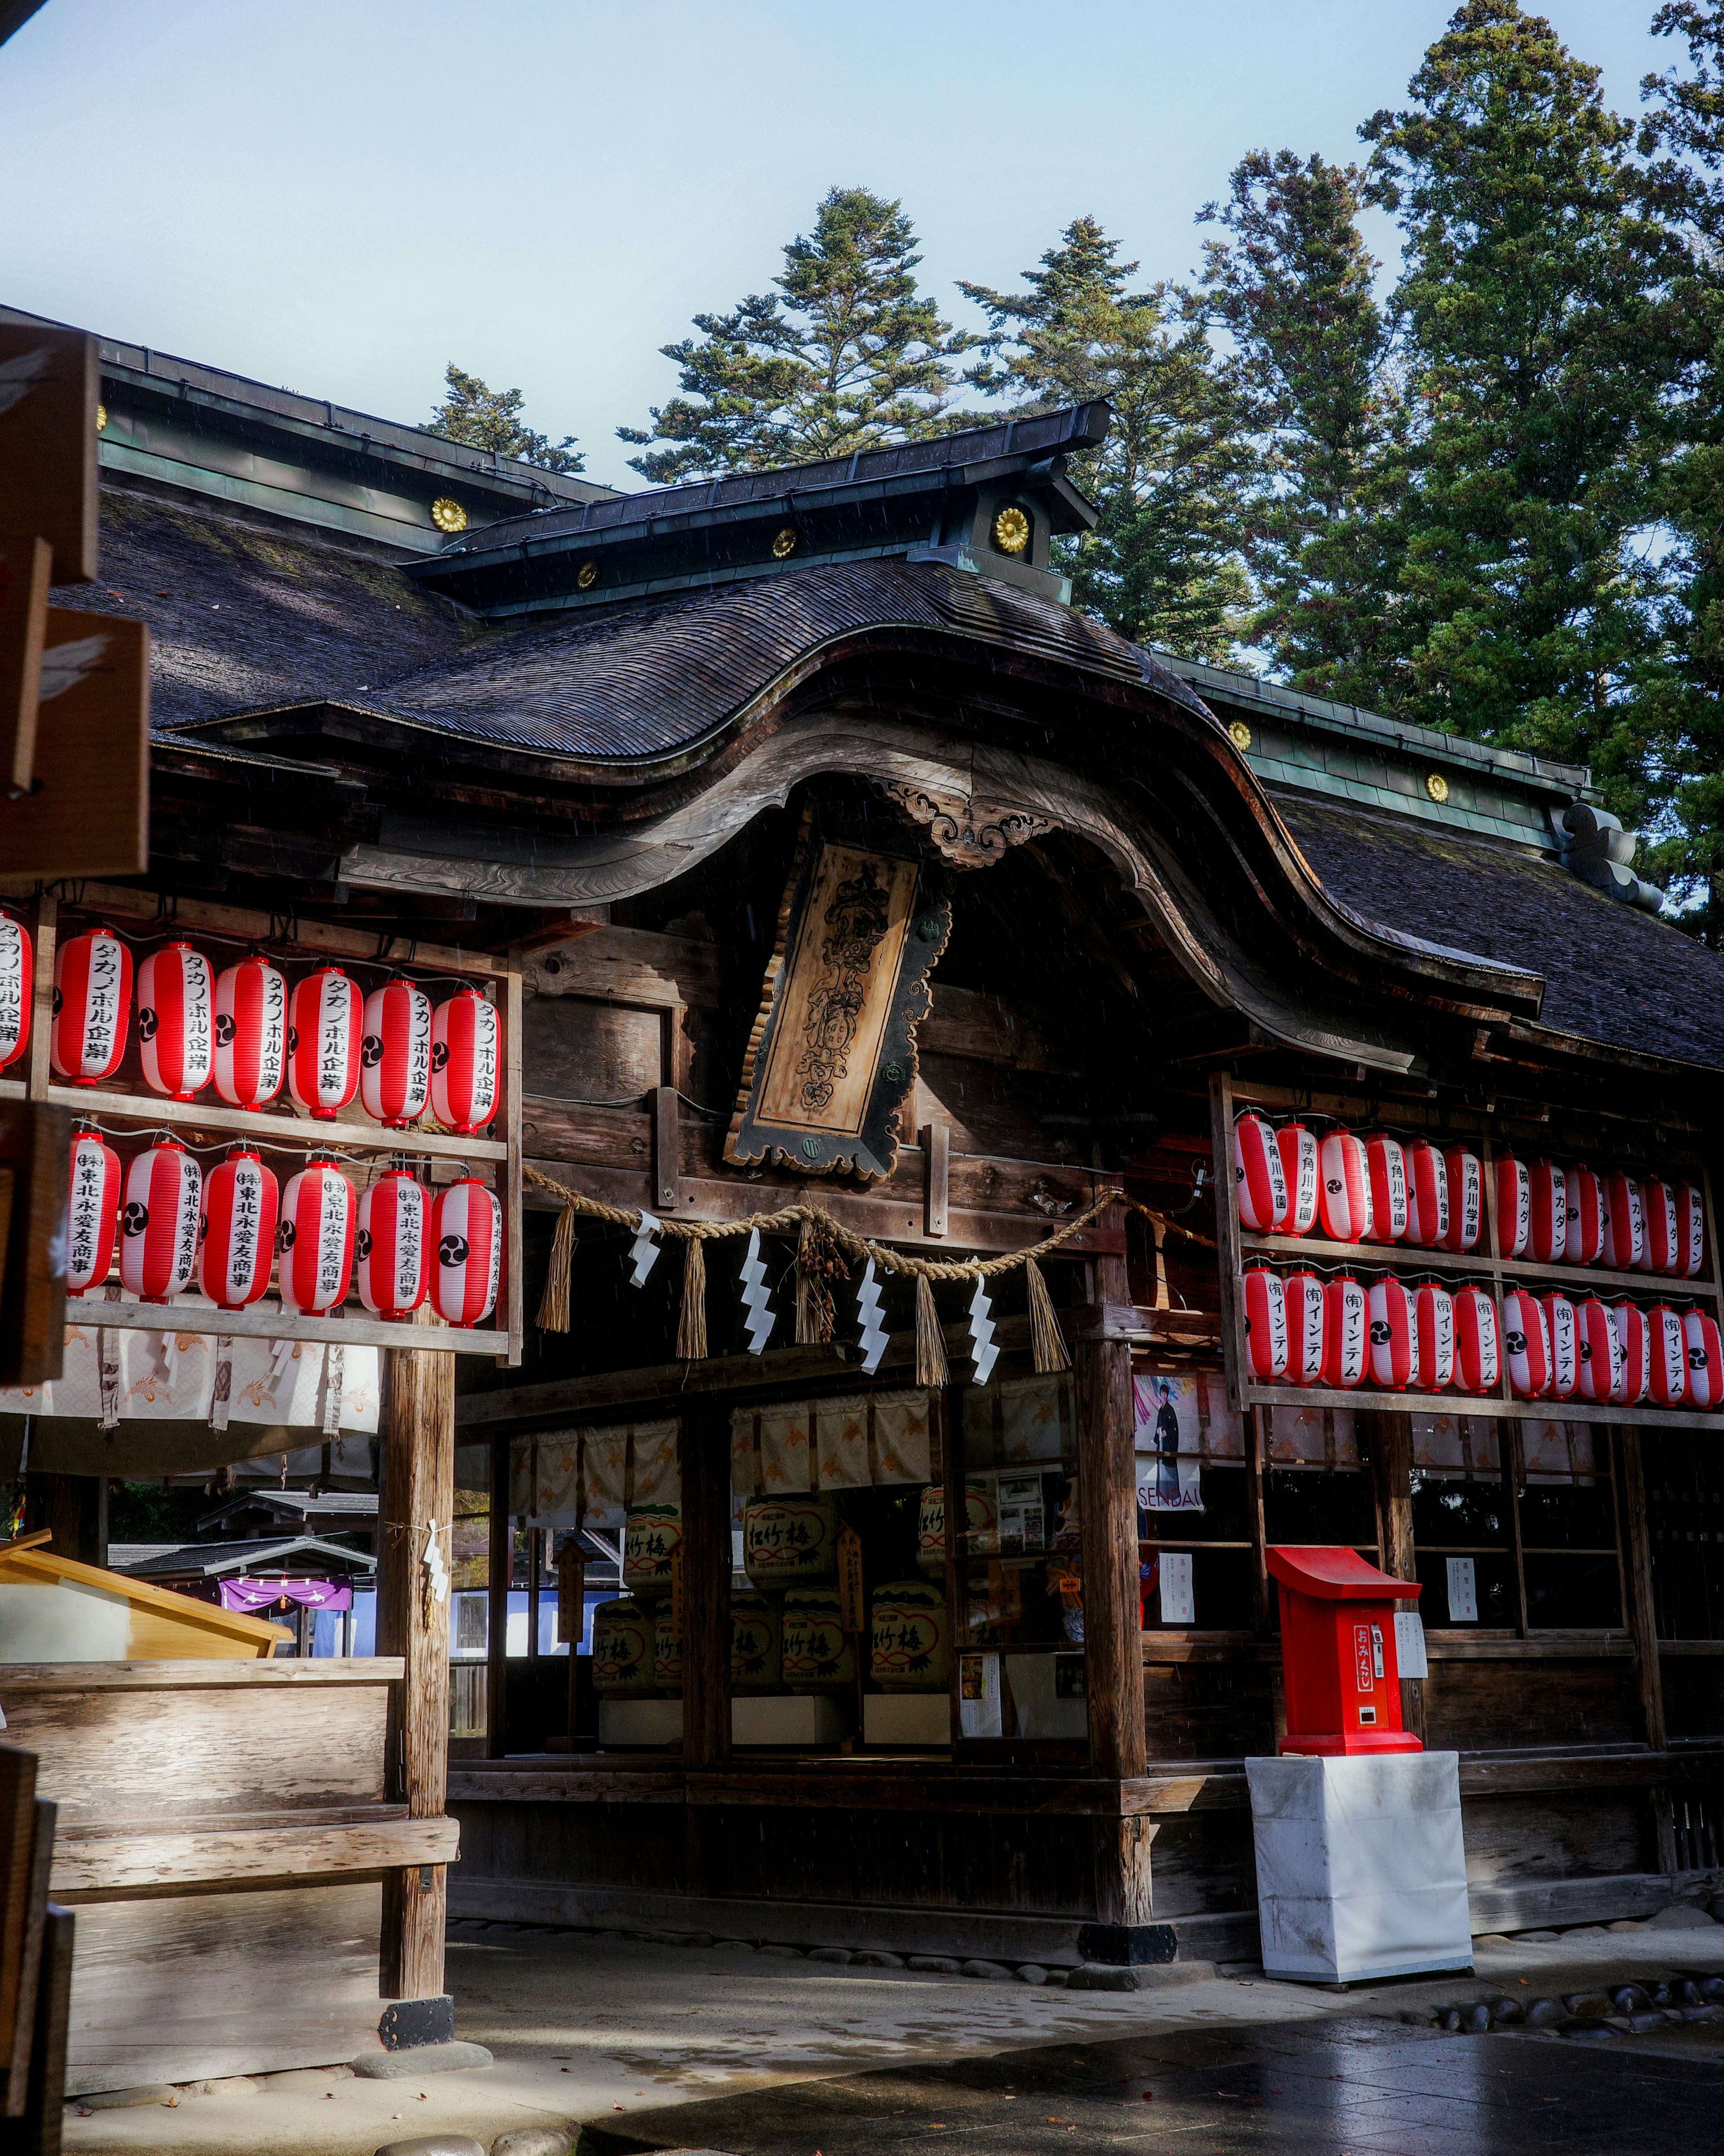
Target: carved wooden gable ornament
{"points": [[832, 1057]]}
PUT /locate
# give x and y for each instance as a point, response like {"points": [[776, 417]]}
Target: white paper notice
{"points": [[1409, 1643], [1178, 1604], [1463, 1591], [979, 1695]]}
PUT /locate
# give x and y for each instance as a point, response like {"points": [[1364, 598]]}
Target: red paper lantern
{"points": [[240, 1200], [1563, 1329], [1661, 1251], [1634, 1337], [92, 998], [1433, 1316], [1298, 1148], [1669, 1356], [467, 1243], [1385, 1165], [1514, 1205], [1466, 1199], [1346, 1347], [1547, 1234], [92, 1211], [1478, 1363], [1585, 1238], [1394, 1336], [250, 1032], [1303, 1297], [176, 1020], [395, 1055], [1690, 1230], [1344, 1188], [1257, 1172], [323, 1029], [1705, 1359], [158, 1241], [391, 1247], [315, 1240], [1625, 1223], [1600, 1350], [1427, 1195], [465, 1061], [1526, 1343], [18, 979]]}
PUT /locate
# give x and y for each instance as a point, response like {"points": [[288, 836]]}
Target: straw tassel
{"points": [[554, 1303], [1046, 1342], [807, 1323], [691, 1325], [930, 1340]]}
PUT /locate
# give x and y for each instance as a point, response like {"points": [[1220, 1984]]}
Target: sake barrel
{"points": [[908, 1647], [820, 1656], [667, 1654], [980, 1523], [622, 1650], [756, 1643], [790, 1542], [651, 1538]]}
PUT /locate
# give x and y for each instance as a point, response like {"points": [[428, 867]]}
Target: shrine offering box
{"points": [[1338, 1653]]}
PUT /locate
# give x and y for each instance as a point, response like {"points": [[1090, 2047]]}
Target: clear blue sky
{"points": [[340, 199]]}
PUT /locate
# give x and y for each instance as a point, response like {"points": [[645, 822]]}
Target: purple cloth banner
{"points": [[251, 1595]]}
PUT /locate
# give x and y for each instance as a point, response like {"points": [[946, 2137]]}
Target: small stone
{"points": [[1660, 1994], [1584, 1932], [1490, 1939], [227, 2085], [1478, 2018], [1059, 1978], [841, 1955], [1700, 2013], [1591, 2032], [935, 1965], [734, 1946], [1641, 2024], [876, 1957], [784, 1954], [1105, 1976], [310, 2078], [434, 2144], [1712, 1988], [1032, 1971], [1547, 2014], [421, 2058], [1537, 1939], [1683, 1916], [699, 1939], [988, 1972], [531, 2141], [1588, 2006], [130, 2099], [1626, 1924], [1505, 2013], [1630, 1998]]}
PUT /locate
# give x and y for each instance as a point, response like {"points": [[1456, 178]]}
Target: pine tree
{"points": [[486, 418], [1293, 283], [845, 354], [1163, 565]]}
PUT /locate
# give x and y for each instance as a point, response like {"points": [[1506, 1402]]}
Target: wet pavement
{"points": [[1363, 2088]]}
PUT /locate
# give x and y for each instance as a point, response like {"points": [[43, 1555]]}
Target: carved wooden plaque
{"points": [[832, 1055]]}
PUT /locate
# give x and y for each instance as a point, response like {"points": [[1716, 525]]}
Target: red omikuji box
{"points": [[1343, 1684]]}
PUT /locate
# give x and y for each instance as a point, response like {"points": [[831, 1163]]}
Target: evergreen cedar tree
{"points": [[487, 419]]}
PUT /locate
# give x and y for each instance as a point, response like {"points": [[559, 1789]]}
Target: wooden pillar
{"points": [[418, 1493], [1108, 1514], [705, 1586], [499, 1573], [1392, 1456], [74, 1509], [1643, 1624]]}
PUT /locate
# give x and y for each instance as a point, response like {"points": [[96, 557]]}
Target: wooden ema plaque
{"points": [[49, 384], [88, 813]]}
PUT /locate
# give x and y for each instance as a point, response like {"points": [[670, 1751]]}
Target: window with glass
{"points": [[1683, 1477], [1196, 1569]]}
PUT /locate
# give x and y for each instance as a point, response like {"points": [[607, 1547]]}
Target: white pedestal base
{"points": [[808, 1718], [906, 1717], [1360, 1867], [626, 1721]]}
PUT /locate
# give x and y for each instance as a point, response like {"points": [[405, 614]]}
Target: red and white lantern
{"points": [[323, 1034], [1601, 1363], [1303, 1295], [1690, 1230], [1427, 1195], [465, 1061], [1526, 1343], [158, 1237], [1386, 1164], [1434, 1315], [92, 1000], [1547, 1233], [1668, 1355], [395, 1055], [1562, 1330], [1585, 1238], [1705, 1360], [1478, 1363], [1257, 1171], [1661, 1252], [1625, 1223], [392, 1247], [18, 980], [175, 1021], [1346, 1344], [240, 1200], [92, 1211], [315, 1240], [1634, 1337], [1298, 1169], [250, 1032], [1514, 1206], [1467, 1200], [1394, 1338], [467, 1251], [1344, 1189]]}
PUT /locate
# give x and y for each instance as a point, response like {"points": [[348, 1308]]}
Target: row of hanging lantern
{"points": [[243, 1030], [1422, 1337], [1374, 1188], [225, 1230]]}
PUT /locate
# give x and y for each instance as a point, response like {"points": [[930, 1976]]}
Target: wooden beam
{"points": [[500, 1571], [667, 1150], [113, 1866], [1392, 1461], [705, 1555], [1642, 1617], [936, 1165], [1107, 1512], [417, 1500]]}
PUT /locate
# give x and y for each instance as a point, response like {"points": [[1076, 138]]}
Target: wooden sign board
{"points": [[50, 382], [89, 812], [852, 1604], [26, 572], [571, 1593]]}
